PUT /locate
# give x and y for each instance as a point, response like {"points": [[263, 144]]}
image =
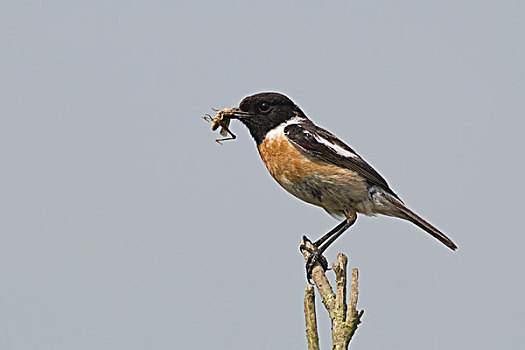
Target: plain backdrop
{"points": [[123, 225]]}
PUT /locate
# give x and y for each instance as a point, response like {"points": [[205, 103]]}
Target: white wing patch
{"points": [[338, 149]]}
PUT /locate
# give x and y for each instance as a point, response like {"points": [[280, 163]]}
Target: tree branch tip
{"points": [[344, 316], [358, 317]]}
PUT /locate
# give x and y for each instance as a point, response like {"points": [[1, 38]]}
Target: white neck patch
{"points": [[279, 129]]}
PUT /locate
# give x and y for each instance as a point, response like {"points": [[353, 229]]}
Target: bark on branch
{"points": [[344, 319]]}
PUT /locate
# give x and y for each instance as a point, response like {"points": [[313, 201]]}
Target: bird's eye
{"points": [[264, 107]]}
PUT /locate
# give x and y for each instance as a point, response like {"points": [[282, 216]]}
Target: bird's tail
{"points": [[409, 215]]}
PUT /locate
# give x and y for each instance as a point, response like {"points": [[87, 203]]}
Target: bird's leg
{"points": [[324, 242], [322, 239], [333, 231]]}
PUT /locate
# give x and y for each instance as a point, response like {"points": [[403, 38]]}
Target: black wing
{"points": [[310, 139]]}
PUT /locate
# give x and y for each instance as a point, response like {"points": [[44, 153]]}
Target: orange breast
{"points": [[300, 174], [284, 161]]}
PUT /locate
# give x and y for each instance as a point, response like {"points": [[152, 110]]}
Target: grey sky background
{"points": [[125, 226]]}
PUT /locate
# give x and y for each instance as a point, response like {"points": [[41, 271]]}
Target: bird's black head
{"points": [[264, 111]]}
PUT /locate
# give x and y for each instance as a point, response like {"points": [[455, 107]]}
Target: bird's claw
{"points": [[315, 257]]}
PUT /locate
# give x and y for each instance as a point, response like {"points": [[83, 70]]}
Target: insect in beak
{"points": [[222, 119]]}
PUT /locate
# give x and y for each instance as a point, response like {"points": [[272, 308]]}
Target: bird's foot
{"points": [[315, 256]]}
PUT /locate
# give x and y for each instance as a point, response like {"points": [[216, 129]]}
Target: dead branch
{"points": [[344, 320]]}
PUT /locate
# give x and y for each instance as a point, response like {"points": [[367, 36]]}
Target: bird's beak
{"points": [[238, 114]]}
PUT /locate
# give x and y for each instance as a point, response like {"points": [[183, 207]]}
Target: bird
{"points": [[317, 167]]}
